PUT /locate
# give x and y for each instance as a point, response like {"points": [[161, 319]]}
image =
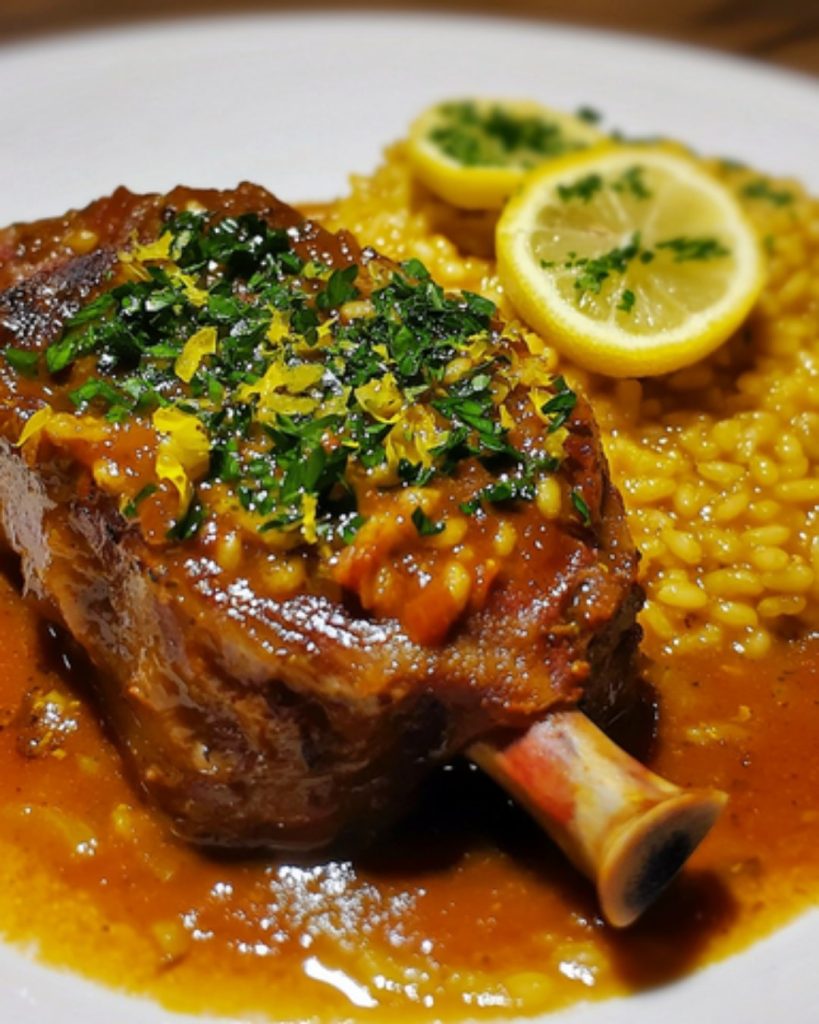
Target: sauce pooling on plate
{"points": [[465, 910]]}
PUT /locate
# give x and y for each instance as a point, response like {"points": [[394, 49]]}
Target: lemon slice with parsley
{"points": [[633, 260], [474, 153]]}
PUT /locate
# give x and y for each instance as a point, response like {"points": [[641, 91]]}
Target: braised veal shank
{"points": [[272, 687]]}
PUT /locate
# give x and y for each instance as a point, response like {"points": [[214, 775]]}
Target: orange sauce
{"points": [[466, 910]]}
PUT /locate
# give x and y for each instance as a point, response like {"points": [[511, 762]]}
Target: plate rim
{"points": [[35, 48]]}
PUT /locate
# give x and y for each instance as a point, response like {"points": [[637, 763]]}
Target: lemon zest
{"points": [[533, 372], [555, 443], [302, 377], [309, 504], [199, 345], [35, 424], [183, 455], [153, 252], [325, 331], [63, 426], [336, 405], [279, 328], [134, 272], [324, 337], [281, 390], [457, 368], [193, 293], [413, 437], [278, 404], [479, 346], [500, 390], [278, 377], [535, 344], [381, 398]]}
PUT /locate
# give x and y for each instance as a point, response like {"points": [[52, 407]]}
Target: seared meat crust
{"points": [[286, 722]]}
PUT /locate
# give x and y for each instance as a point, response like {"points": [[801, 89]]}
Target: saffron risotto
{"points": [[718, 463]]}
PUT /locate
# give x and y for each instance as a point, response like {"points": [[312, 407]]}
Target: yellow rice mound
{"points": [[718, 463]]}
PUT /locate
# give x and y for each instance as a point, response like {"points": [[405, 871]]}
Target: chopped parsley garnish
{"points": [[93, 310], [561, 406], [518, 485], [241, 355], [23, 361], [61, 354], [581, 508], [130, 508], [349, 526], [425, 526], [730, 163], [589, 115], [340, 289], [96, 389], [509, 488], [584, 188], [478, 137], [631, 182], [761, 188], [595, 270], [189, 524], [685, 248]]}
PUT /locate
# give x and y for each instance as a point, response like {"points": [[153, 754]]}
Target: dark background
{"points": [[785, 32]]}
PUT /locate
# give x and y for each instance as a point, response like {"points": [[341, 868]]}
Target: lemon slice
{"points": [[633, 260], [474, 153]]}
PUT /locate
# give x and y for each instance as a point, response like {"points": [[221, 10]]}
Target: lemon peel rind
{"points": [[669, 351]]}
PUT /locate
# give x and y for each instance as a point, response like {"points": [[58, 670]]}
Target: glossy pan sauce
{"points": [[465, 911]]}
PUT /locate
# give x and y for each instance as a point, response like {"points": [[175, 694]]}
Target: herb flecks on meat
{"points": [[275, 383], [288, 684]]}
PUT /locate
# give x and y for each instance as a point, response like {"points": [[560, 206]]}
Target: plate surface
{"points": [[297, 103]]}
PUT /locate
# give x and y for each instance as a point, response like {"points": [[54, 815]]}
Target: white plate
{"points": [[297, 103]]}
